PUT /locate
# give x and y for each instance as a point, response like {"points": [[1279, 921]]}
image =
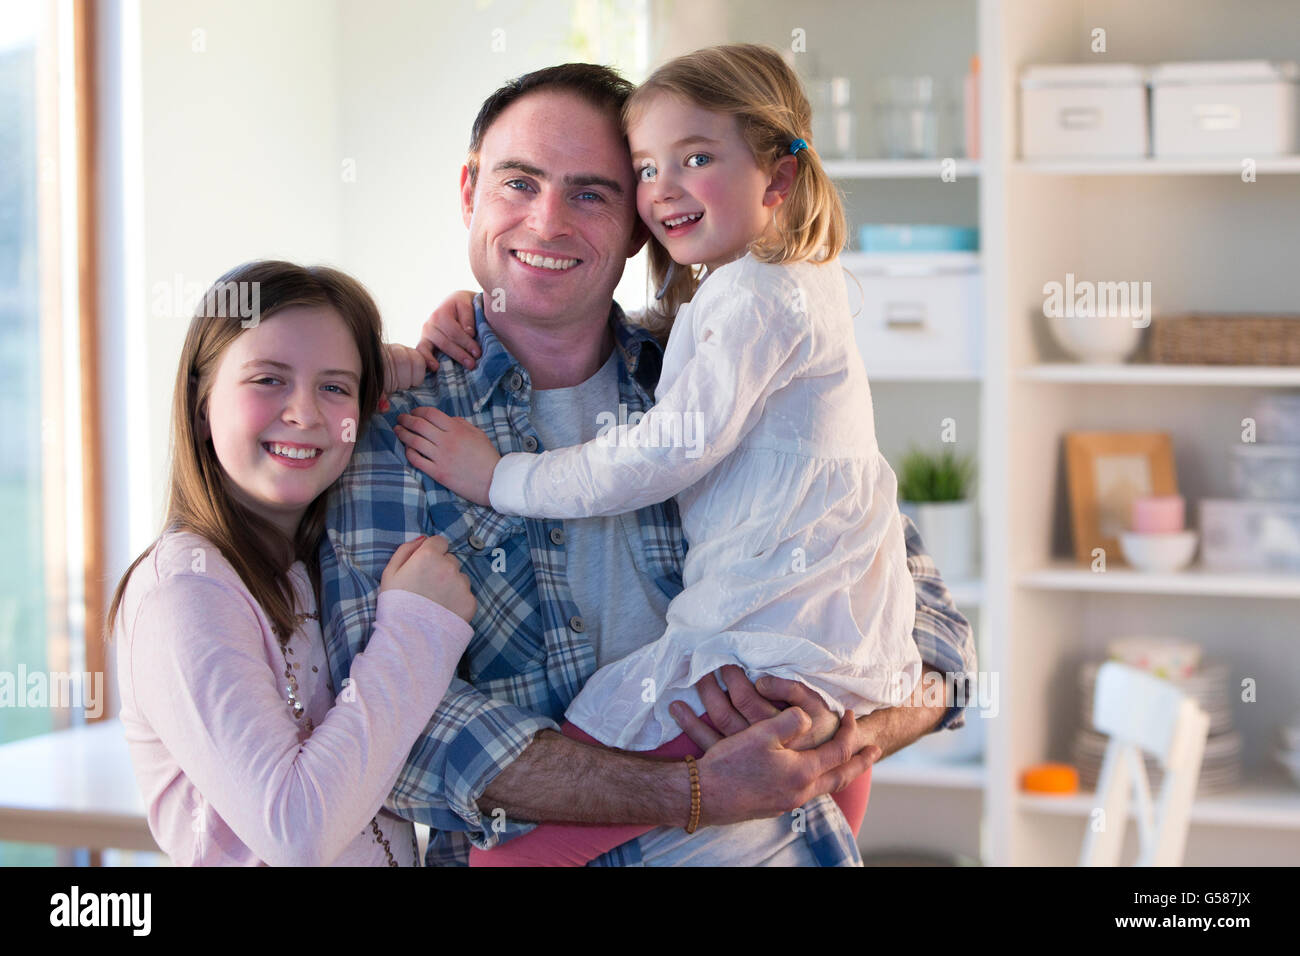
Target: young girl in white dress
{"points": [[762, 428]]}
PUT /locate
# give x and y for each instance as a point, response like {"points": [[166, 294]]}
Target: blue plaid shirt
{"points": [[528, 657]]}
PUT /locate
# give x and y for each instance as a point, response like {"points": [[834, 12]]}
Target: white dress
{"points": [[764, 430]]}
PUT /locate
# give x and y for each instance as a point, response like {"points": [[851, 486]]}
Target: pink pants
{"points": [[577, 844]]}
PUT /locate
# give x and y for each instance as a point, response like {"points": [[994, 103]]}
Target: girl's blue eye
{"points": [[342, 390], [704, 156], [264, 378], [648, 173]]}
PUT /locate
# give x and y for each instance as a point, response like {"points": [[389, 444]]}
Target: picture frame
{"points": [[1106, 471]]}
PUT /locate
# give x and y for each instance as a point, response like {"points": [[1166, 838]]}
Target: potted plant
{"points": [[934, 491]]}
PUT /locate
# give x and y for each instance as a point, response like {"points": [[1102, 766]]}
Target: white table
{"points": [[73, 788]]}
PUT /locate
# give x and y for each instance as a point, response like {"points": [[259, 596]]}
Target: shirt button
{"points": [[476, 542], [557, 536], [530, 443], [516, 382], [576, 624]]}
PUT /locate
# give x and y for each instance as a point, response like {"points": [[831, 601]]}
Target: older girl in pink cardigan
{"points": [[245, 752]]}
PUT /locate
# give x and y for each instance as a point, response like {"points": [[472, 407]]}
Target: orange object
{"points": [[1050, 778]]}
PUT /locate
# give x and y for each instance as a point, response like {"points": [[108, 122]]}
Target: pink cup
{"points": [[1159, 514]]}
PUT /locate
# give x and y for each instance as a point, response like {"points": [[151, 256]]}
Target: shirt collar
{"points": [[641, 353]]}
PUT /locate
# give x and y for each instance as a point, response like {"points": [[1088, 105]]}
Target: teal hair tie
{"points": [[797, 145]]}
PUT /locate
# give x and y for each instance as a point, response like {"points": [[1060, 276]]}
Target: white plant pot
{"points": [[948, 533]]}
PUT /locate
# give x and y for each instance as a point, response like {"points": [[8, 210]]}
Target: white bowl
{"points": [[1171, 659], [1093, 338], [1158, 552]]}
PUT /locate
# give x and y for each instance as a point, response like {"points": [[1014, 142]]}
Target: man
{"points": [[548, 195]]}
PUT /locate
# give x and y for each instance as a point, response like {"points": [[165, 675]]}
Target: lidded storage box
{"points": [[1083, 110], [1244, 109]]}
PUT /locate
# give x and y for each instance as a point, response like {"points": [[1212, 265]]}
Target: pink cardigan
{"points": [[229, 776]]}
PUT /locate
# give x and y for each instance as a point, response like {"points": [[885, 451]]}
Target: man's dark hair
{"points": [[600, 86]]}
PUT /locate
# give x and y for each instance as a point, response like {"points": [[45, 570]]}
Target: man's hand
{"points": [[450, 329], [743, 704], [755, 775], [451, 451], [747, 776], [883, 731]]}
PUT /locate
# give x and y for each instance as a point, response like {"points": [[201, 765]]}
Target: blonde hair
{"points": [[755, 85], [200, 500]]}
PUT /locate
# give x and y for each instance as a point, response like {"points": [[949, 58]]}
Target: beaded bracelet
{"points": [[695, 794]]}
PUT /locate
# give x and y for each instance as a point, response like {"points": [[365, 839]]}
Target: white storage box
{"points": [[1250, 535], [1241, 109], [1266, 472], [1277, 419], [916, 313], [1084, 110]]}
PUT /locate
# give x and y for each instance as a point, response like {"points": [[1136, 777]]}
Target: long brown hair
{"points": [[199, 500], [752, 83]]}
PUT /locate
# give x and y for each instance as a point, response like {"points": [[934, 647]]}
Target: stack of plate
{"points": [[1208, 686], [1220, 769], [1289, 753]]}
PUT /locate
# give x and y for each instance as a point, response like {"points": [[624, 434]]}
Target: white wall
{"points": [[239, 146], [413, 76], [320, 131]]}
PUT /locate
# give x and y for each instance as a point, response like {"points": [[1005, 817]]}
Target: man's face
{"points": [[552, 217]]}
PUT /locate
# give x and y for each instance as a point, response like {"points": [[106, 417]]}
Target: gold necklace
{"points": [[299, 711]]}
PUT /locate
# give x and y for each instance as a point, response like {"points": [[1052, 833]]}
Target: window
{"points": [[45, 319]]}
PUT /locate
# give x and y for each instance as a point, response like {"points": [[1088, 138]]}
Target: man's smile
{"points": [[544, 262]]}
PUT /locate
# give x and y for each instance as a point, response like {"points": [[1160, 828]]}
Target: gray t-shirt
{"points": [[624, 609]]}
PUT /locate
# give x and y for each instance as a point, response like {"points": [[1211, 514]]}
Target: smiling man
{"points": [[548, 196]]}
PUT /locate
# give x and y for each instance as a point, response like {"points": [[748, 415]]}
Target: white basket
{"points": [[1095, 110], [1266, 472], [916, 312], [1250, 535], [1277, 419], [1239, 109]]}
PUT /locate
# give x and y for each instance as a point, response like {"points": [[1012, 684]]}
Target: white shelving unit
{"points": [[1212, 166], [929, 773], [1206, 240], [1136, 373], [899, 168], [1270, 805], [1195, 581], [1190, 228]]}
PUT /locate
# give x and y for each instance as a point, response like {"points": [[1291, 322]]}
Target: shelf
{"points": [[928, 773], [1269, 804], [968, 593], [948, 260], [896, 375], [1141, 373], [1065, 575], [897, 168], [1210, 166]]}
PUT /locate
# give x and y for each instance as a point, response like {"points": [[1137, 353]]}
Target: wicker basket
{"points": [[1226, 339]]}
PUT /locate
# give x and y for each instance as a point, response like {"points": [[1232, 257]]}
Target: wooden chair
{"points": [[1144, 713]]}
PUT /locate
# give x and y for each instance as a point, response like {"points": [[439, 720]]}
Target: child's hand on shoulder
{"points": [[450, 329], [451, 451], [403, 368]]}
